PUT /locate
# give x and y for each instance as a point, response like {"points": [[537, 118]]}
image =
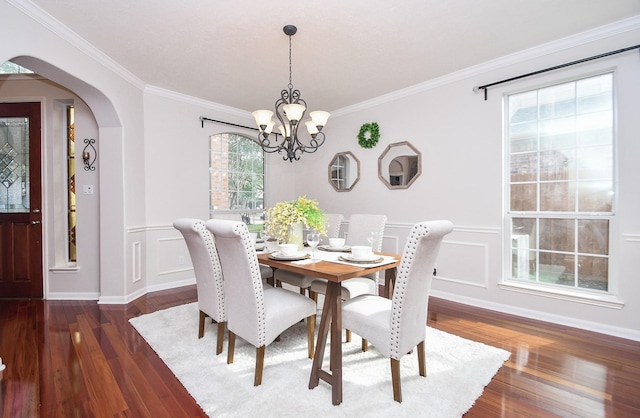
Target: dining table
{"points": [[335, 268]]}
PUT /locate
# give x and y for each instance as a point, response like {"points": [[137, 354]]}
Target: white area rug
{"points": [[457, 371]]}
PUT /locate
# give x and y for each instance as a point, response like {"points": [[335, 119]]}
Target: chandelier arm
{"points": [[265, 143], [295, 97], [314, 144]]}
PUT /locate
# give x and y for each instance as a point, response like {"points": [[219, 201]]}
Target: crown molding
{"points": [[184, 98], [602, 32], [59, 29]]}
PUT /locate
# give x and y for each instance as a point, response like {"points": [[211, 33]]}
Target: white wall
{"points": [[461, 139]]}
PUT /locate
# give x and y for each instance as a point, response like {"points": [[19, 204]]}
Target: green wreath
{"points": [[374, 135]]}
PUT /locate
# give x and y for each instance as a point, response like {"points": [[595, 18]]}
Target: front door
{"points": [[20, 201]]}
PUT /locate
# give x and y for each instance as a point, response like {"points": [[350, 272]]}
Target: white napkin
{"points": [[305, 261]]}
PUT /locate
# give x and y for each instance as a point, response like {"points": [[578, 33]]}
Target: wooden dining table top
{"points": [[335, 272]]}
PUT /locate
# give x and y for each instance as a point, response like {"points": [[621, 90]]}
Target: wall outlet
{"points": [[87, 189], [180, 259]]}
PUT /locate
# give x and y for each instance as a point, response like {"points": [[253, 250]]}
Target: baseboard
{"points": [[73, 296], [121, 300]]}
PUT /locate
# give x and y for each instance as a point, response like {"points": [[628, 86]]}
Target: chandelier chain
{"points": [[290, 67]]}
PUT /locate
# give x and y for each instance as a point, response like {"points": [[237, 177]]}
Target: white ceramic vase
{"points": [[295, 235]]}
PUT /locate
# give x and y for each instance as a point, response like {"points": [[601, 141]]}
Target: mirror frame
{"points": [[381, 161], [353, 157]]}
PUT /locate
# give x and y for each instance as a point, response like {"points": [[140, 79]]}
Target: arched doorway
{"points": [[109, 229]]}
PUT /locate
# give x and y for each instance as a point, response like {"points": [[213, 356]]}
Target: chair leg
{"points": [[395, 379], [311, 328], [348, 332], [313, 296], [365, 345], [302, 291], [203, 316], [231, 347], [422, 366], [221, 326], [257, 381]]}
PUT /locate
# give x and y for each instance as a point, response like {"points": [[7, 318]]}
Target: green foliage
{"points": [[283, 214], [369, 141]]}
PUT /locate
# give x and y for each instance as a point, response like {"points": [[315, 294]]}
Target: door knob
{"points": [[35, 222], [36, 211]]}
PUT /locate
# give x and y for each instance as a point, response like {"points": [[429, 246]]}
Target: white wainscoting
{"points": [[464, 256], [173, 256], [463, 262]]}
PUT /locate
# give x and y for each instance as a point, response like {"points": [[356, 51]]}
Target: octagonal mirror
{"points": [[344, 171], [399, 165]]}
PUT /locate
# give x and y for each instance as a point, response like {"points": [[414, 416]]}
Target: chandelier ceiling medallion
{"points": [[290, 110]]}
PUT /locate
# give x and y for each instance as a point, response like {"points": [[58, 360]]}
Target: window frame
{"points": [[608, 298], [245, 214]]}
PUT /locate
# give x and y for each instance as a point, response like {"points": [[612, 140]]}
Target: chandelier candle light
{"points": [[290, 109]]}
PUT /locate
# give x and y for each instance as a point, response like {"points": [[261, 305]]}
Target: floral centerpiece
{"points": [[284, 215]]}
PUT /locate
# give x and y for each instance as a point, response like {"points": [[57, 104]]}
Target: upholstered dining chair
{"points": [[396, 326], [265, 271], [360, 226], [206, 267], [333, 221], [357, 233], [256, 314]]}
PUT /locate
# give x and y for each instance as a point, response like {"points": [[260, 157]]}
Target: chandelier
{"points": [[290, 110]]}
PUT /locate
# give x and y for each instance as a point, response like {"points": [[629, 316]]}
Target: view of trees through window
{"points": [[561, 183], [236, 176]]}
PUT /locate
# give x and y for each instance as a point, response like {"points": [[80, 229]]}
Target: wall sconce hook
{"points": [[89, 162]]}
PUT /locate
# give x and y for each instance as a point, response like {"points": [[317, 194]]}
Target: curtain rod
{"points": [[205, 119], [606, 54]]}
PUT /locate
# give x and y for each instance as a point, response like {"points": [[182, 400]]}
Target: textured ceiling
{"points": [[345, 51]]}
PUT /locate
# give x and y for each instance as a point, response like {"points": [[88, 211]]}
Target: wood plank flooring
{"points": [[81, 359]]}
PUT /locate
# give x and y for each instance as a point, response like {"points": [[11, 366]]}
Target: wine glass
{"points": [[266, 237], [313, 239], [372, 237]]}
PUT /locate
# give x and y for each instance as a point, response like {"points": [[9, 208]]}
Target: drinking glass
{"points": [[372, 237], [313, 239], [269, 245]]}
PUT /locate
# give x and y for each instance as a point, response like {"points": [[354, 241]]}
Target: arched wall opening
{"points": [[111, 219]]}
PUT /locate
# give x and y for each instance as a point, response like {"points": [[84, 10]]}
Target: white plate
{"points": [[337, 249], [300, 255], [368, 259]]}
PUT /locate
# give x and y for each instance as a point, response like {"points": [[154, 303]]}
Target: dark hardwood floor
{"points": [[81, 359]]}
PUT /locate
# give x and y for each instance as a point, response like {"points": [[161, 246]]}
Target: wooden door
{"points": [[20, 201]]}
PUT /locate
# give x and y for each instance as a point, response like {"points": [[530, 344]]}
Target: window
{"points": [[561, 184], [236, 177], [71, 181]]}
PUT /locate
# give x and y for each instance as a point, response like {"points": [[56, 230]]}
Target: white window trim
{"points": [[609, 299]]}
